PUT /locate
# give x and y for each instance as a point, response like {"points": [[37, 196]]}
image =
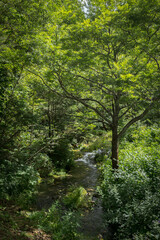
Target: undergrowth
{"points": [[131, 195], [60, 224]]}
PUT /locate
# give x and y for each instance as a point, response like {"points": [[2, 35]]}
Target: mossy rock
{"points": [[77, 198]]}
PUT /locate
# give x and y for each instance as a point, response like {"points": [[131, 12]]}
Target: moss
{"points": [[77, 198]]}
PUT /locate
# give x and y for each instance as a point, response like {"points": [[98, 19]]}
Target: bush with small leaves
{"points": [[17, 179], [61, 155], [61, 225], [131, 196]]}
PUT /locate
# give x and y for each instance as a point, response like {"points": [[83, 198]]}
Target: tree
{"points": [[21, 22], [109, 62]]}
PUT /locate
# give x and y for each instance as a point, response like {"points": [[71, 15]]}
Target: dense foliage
{"points": [[131, 195], [77, 74], [59, 224]]}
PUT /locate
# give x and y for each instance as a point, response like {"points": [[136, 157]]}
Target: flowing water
{"points": [[84, 174]]}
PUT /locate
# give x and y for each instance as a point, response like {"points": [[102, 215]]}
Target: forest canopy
{"points": [[81, 74]]}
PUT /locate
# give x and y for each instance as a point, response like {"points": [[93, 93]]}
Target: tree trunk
{"points": [[115, 137], [115, 144], [49, 120]]}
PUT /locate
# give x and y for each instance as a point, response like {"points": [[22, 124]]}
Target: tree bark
{"points": [[49, 120], [115, 146], [115, 138]]}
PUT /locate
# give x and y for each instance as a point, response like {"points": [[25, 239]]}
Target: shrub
{"points": [[61, 155], [101, 142], [61, 225], [17, 178], [142, 135], [43, 164], [131, 194]]}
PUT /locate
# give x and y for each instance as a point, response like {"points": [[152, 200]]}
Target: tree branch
{"points": [[82, 101], [132, 121], [101, 86], [44, 82], [94, 100], [125, 112]]}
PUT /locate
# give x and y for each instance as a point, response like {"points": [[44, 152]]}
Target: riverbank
{"points": [[85, 174], [25, 225]]}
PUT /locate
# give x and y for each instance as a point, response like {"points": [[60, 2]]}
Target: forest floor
{"points": [[14, 225]]}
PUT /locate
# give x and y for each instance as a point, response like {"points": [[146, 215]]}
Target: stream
{"points": [[84, 174]]}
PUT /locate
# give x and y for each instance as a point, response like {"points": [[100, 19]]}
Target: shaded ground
{"points": [[14, 225]]}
